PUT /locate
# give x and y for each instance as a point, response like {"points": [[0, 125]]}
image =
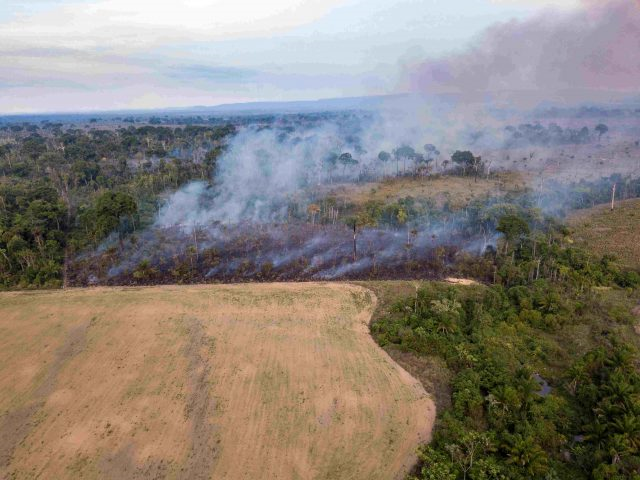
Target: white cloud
{"points": [[130, 24]]}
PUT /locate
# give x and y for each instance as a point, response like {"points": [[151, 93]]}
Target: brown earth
{"points": [[238, 381]]}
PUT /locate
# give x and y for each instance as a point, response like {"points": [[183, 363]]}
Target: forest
{"points": [[80, 204], [542, 367], [64, 190]]}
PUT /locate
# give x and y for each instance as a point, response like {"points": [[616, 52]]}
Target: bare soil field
{"points": [[253, 381], [603, 231]]}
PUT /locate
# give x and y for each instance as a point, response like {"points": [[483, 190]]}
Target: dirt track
{"points": [[245, 381]]}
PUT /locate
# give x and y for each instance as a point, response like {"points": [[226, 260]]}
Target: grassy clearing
{"points": [[606, 232], [457, 191], [245, 381]]}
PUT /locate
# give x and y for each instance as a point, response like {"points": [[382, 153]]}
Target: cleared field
{"points": [[238, 381], [616, 232], [458, 191]]}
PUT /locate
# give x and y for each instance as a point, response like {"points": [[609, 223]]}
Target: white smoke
{"points": [[263, 168]]}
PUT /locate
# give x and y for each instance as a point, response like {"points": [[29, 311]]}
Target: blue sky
{"points": [[73, 55]]}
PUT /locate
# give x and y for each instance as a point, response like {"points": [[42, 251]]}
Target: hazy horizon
{"points": [[105, 55]]}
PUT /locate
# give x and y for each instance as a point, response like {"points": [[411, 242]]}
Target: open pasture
{"points": [[236, 382], [606, 232]]}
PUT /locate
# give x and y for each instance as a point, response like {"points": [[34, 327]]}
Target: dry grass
{"points": [[253, 381], [605, 232], [460, 281], [458, 191], [590, 161]]}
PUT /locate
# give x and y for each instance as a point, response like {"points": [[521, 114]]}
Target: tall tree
{"points": [[464, 159], [602, 129], [347, 160], [405, 153], [384, 158]]}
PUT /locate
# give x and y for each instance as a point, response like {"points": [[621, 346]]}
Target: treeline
{"points": [[478, 217], [560, 198], [542, 384], [62, 191], [536, 134], [403, 161]]}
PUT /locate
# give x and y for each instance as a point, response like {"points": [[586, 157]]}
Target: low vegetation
{"points": [[441, 191]]}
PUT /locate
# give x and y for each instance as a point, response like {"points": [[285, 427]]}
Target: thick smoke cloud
{"points": [[255, 175], [586, 54]]}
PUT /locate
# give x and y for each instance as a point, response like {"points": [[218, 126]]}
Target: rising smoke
{"points": [[245, 211], [592, 53], [263, 169]]}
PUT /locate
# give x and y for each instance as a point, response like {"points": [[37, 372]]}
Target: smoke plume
{"points": [[592, 53]]}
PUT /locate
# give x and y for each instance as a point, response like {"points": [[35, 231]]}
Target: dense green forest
{"points": [[63, 190], [543, 363]]}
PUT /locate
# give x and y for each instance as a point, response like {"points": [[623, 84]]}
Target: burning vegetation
{"points": [[270, 198]]}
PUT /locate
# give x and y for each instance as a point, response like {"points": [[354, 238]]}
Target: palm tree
{"points": [[618, 448], [447, 313], [503, 401], [597, 433], [619, 392], [620, 358], [629, 426], [526, 454], [527, 388]]}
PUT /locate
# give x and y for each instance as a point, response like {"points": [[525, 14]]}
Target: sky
{"points": [[75, 55]]}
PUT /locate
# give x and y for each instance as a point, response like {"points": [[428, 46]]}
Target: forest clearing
{"points": [[234, 381]]}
